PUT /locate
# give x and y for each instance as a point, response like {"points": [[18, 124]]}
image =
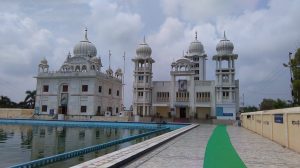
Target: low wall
{"points": [[97, 118], [225, 122], [280, 125], [15, 113]]}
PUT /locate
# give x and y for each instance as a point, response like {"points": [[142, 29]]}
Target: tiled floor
{"points": [[259, 152], [186, 150]]}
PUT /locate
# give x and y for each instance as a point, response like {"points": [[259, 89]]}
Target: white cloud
{"points": [[262, 34], [201, 11], [116, 30], [22, 44]]}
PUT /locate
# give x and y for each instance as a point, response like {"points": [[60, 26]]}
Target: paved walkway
{"points": [[259, 152], [188, 150]]}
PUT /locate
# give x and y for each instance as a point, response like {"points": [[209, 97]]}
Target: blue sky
{"points": [[263, 33]]}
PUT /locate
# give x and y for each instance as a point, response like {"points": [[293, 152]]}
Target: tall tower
{"points": [[227, 88], [142, 85], [197, 55]]}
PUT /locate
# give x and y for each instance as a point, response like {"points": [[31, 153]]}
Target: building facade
{"points": [[79, 87], [188, 94]]}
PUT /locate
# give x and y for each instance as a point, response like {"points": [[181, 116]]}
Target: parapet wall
{"points": [[97, 118], [15, 113], [280, 125]]}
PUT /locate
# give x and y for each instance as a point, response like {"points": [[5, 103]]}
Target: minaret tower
{"points": [[142, 85], [197, 55], [227, 88]]}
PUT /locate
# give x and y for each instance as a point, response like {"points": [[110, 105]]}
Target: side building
{"points": [[79, 87], [188, 95]]}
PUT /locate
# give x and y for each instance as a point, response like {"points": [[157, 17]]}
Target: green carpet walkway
{"points": [[219, 151]]}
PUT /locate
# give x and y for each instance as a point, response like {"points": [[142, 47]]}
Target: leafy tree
{"points": [[249, 109], [30, 99], [5, 102], [295, 63], [269, 104]]}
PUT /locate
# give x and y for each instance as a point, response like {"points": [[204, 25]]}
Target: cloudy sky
{"points": [[263, 32]]}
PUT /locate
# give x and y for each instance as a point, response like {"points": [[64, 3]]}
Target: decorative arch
{"points": [[83, 68], [77, 68]]}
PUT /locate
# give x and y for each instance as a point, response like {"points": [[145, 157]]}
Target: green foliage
{"points": [[29, 101], [5, 102], [269, 104], [295, 62], [249, 109]]}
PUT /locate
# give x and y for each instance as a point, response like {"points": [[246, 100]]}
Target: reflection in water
{"points": [[21, 143]]}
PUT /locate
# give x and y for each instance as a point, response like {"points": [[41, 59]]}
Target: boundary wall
{"points": [[280, 125]]}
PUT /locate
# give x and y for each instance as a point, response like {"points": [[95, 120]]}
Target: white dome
{"points": [[143, 50], [224, 46], [95, 59], [85, 48], [196, 46], [44, 61]]}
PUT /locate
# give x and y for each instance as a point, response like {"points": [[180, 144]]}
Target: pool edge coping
{"points": [[122, 156]]}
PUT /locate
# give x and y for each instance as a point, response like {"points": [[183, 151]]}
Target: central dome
{"points": [[143, 50], [196, 47], [85, 48]]}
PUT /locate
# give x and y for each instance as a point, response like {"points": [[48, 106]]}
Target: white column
{"points": [[173, 93], [204, 69], [192, 98]]}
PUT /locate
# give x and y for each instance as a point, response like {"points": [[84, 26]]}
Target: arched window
{"points": [[84, 68], [77, 68]]}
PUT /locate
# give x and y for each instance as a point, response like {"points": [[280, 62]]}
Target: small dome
{"points": [[143, 50], [85, 48], [196, 46], [95, 59], [224, 46], [44, 61], [109, 71]]}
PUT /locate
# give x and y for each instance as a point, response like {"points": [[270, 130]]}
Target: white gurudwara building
{"points": [[188, 94], [79, 87]]}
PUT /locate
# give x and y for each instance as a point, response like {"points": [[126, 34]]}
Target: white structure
{"points": [[188, 94], [227, 88], [79, 87], [142, 88]]}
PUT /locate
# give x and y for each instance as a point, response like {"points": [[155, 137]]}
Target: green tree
{"points": [[29, 100], [249, 109], [295, 63], [5, 102], [269, 104]]}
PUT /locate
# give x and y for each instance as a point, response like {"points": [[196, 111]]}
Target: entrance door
{"points": [[182, 112], [64, 110]]}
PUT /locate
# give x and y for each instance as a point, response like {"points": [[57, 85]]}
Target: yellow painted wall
{"points": [[163, 111], [252, 123], [258, 124], [286, 133], [294, 131], [15, 113], [279, 133], [267, 126], [202, 112]]}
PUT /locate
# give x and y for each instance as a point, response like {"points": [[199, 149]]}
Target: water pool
{"points": [[25, 140]]}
